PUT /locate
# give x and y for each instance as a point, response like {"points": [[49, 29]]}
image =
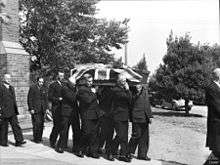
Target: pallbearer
{"points": [[141, 117], [69, 115], [90, 114], [121, 107]]}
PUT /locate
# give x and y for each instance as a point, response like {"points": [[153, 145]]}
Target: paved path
{"points": [[171, 144], [42, 154]]}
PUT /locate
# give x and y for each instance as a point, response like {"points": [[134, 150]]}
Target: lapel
{"points": [[10, 91], [215, 86]]}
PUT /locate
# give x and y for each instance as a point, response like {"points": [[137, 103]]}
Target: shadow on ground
{"points": [[176, 114], [170, 162]]}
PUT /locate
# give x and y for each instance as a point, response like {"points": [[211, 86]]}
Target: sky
{"points": [[152, 20]]}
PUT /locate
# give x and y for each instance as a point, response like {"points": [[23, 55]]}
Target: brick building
{"points": [[13, 58]]}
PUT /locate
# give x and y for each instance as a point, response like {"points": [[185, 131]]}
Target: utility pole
{"points": [[126, 54], [126, 45]]}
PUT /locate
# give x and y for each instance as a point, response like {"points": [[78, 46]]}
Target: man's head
{"points": [[72, 79], [60, 75], [40, 81], [7, 78], [88, 79], [121, 80], [138, 87], [216, 74]]}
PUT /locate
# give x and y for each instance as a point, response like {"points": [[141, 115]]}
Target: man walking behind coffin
{"points": [[69, 115], [106, 131], [37, 106], [121, 107], [90, 114], [9, 110], [212, 90], [54, 96], [141, 117]]}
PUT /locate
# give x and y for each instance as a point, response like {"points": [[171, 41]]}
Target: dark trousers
{"points": [[66, 122], [56, 114], [38, 126], [140, 138], [89, 136], [106, 133], [15, 128], [121, 138]]}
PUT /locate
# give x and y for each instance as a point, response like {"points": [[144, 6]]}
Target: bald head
{"points": [[7, 78], [216, 73], [121, 79]]}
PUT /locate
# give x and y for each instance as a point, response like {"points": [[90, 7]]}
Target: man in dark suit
{"points": [[141, 117], [212, 90], [90, 114], [37, 104], [9, 110], [54, 96], [69, 114], [106, 122], [121, 107]]}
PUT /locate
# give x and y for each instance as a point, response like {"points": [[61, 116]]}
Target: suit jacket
{"points": [[141, 109], [213, 120], [88, 103], [8, 103], [37, 99], [69, 104], [121, 103], [105, 100], [54, 93]]}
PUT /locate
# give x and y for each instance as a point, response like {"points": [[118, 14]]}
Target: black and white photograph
{"points": [[106, 82]]}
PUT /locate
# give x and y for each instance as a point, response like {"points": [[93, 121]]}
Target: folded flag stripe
{"points": [[104, 72]]}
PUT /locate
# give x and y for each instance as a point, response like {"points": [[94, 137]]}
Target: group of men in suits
{"points": [[94, 113]]}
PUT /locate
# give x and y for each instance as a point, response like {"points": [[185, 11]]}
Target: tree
{"points": [[62, 33], [185, 67], [4, 17], [141, 68]]}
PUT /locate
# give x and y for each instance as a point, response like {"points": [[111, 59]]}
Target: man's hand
{"points": [[93, 90], [32, 111], [47, 111], [126, 86]]}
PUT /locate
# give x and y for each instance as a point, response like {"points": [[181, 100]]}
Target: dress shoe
{"points": [[52, 145], [36, 141], [18, 144], [59, 150], [79, 154], [144, 158], [4, 145], [124, 158], [100, 151], [110, 157], [93, 155], [129, 156]]}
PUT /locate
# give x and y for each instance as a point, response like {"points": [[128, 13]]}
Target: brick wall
{"points": [[13, 59], [11, 32], [18, 66]]}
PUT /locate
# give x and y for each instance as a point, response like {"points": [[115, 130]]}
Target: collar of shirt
{"points": [[217, 83], [6, 85], [59, 82]]}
